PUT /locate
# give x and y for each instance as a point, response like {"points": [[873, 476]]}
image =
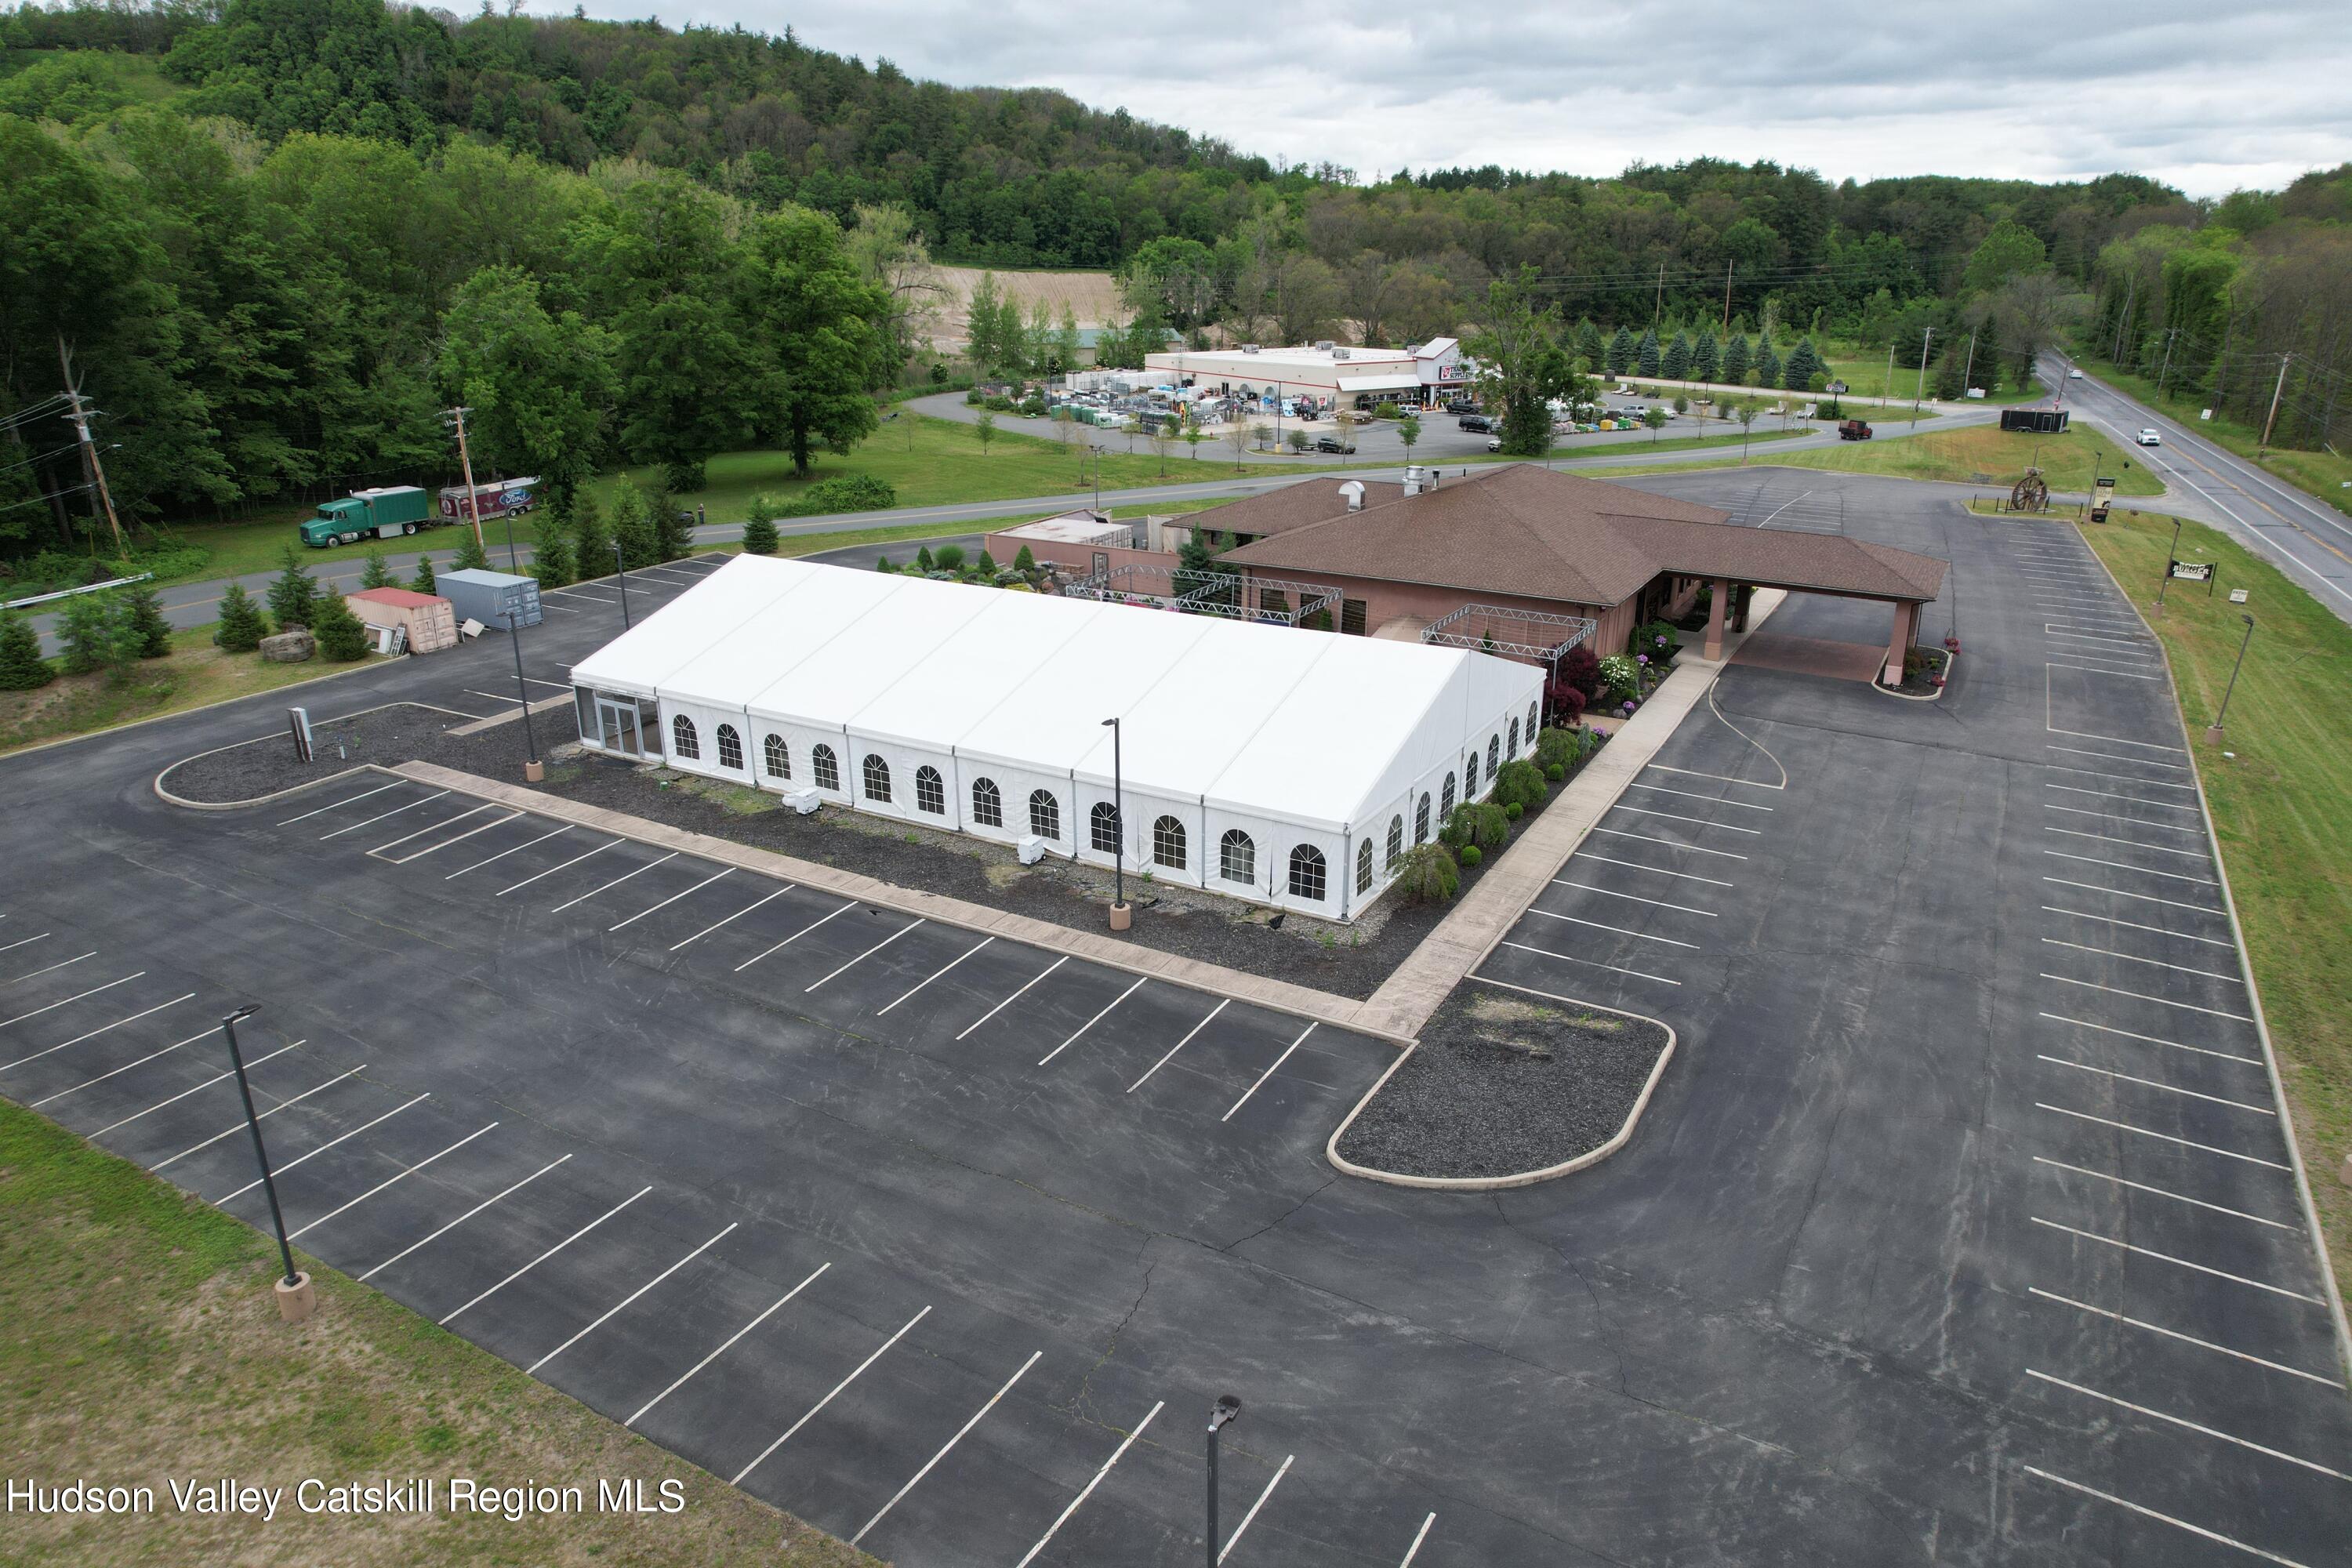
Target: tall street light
{"points": [[1120, 915], [2213, 731], [533, 771], [2170, 552], [296, 1299], [622, 567], [1227, 1409]]}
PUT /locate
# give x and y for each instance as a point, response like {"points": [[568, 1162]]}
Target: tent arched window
{"points": [[731, 747], [1396, 838], [1307, 873], [1470, 777], [1102, 824], [931, 791], [1364, 866], [1494, 753], [1531, 724], [682, 738], [1236, 857], [1045, 815], [877, 778], [1515, 737], [1167, 843], [826, 769], [1420, 820], [779, 757], [987, 803], [1445, 799]]}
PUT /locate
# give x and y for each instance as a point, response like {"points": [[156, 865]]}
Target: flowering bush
{"points": [[1621, 675]]}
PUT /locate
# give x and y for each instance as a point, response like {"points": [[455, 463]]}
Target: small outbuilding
{"points": [[428, 621]]}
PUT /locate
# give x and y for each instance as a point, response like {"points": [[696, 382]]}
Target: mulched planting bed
{"points": [[399, 733], [1919, 674], [1502, 1084]]}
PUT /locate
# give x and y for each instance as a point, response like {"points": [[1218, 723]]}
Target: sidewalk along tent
{"points": [[1256, 761]]}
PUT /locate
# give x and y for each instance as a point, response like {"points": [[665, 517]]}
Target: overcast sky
{"points": [[2207, 96]]}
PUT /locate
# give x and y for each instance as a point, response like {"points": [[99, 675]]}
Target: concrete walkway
{"points": [[1464, 939]]}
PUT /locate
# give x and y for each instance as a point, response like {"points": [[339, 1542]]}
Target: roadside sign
{"points": [[2237, 596], [2192, 571], [1835, 388]]}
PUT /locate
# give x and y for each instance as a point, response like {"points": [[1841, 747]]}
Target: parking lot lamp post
{"points": [[622, 567], [1119, 913], [534, 769], [294, 1295], [1227, 1408], [1095, 448], [2171, 551], [2213, 731]]}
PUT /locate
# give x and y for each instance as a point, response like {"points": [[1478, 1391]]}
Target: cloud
{"points": [[2205, 98]]}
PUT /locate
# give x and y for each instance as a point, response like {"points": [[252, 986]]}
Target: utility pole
{"points": [[1970, 368], [2166, 371], [465, 462], [1919, 393], [1659, 309], [2276, 392], [2124, 319], [1727, 296], [1886, 396], [89, 448]]}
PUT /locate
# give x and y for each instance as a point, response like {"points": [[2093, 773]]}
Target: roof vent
{"points": [[1414, 478], [1249, 348], [1354, 491], [1339, 353], [1323, 345]]}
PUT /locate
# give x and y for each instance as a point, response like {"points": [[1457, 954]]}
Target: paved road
{"points": [[2308, 539]]}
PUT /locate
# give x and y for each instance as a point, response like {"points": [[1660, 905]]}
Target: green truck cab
{"points": [[378, 513]]}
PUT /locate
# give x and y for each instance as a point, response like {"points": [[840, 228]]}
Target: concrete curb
{"points": [[2253, 994], [372, 662], [186, 805], [1593, 1156], [1299, 1001]]}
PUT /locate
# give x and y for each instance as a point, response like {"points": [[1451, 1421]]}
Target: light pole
{"points": [[1095, 448], [622, 567], [1120, 915], [295, 1297], [2213, 731], [533, 771], [1227, 1408], [2170, 550]]}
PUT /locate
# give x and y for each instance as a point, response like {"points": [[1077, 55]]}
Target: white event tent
{"points": [[1283, 766]]}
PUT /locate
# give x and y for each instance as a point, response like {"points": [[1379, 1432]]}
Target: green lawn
{"points": [[1985, 455], [143, 1344], [2321, 474], [1864, 371], [2282, 806]]}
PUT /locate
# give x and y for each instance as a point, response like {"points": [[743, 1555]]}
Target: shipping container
{"points": [[428, 622], [488, 597]]}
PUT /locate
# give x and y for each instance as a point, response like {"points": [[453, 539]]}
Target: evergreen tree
{"points": [[293, 592], [986, 566], [470, 556], [882, 564], [143, 624], [376, 574], [341, 635], [923, 561], [1768, 364], [422, 581], [1676, 365], [1706, 359], [241, 626], [760, 527], [552, 559], [1803, 364], [592, 546], [1590, 348], [22, 668], [1646, 355], [1949, 386], [1987, 374], [673, 533], [1025, 562], [633, 525], [95, 635], [1735, 361], [1621, 352]]}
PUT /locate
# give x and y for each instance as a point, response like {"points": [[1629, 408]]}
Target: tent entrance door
{"points": [[618, 721]]}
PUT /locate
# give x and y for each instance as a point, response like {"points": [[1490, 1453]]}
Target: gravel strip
{"points": [[1502, 1084]]}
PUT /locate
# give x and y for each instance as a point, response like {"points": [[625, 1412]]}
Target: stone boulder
{"points": [[289, 647]]}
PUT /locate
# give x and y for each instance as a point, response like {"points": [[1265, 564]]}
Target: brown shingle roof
{"points": [[1295, 506], [1531, 532]]}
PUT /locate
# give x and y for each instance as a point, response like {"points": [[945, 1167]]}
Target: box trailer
{"points": [[425, 622], [501, 498], [383, 513], [490, 596]]}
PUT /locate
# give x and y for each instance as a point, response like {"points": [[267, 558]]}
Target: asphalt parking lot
{"points": [[1959, 1232]]}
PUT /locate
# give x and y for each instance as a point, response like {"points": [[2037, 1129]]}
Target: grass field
{"points": [[143, 1344], [1985, 455], [2283, 809], [2321, 474]]}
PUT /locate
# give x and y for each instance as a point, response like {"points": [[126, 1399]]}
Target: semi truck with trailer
{"points": [[394, 510], [499, 498]]}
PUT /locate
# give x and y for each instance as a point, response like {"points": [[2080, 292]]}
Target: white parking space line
{"points": [[1236, 1538], [2118, 643], [435, 848], [1268, 1073], [583, 593], [493, 695], [2176, 1334], [2129, 843], [2159, 1192], [2151, 1039], [1572, 958], [615, 1310], [302, 1159], [390, 1181], [75, 997], [2096, 670], [372, 821], [935, 973], [2141, 898], [867, 954], [462, 1218], [1656, 871], [2154, 962], [1701, 821], [688, 1374], [1088, 1489], [961, 1433], [1632, 897], [348, 800], [102, 1028], [551, 870], [1652, 839], [1720, 778], [2143, 996], [543, 1256], [1418, 1537], [1090, 1023], [2188, 1425], [1008, 1002], [53, 968], [1694, 794], [2113, 756], [2117, 778], [2126, 865], [2183, 1262], [2163, 1137], [728, 921], [2136, 800], [118, 1072], [1621, 931], [1179, 1045], [695, 889], [613, 883], [504, 853], [2197, 1530], [435, 827], [2134, 925], [27, 941], [2152, 1083], [2117, 817], [184, 1094], [796, 935], [737, 1480], [556, 685]]}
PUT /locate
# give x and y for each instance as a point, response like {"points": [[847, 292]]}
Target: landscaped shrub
{"points": [[550, 562], [1426, 874], [290, 595], [1519, 782], [1558, 747], [1471, 855], [241, 626], [1566, 702], [422, 581], [96, 635], [1474, 825], [1514, 811], [1385, 411], [143, 624], [760, 527], [22, 668], [949, 558], [341, 635], [1660, 639], [1579, 667], [1556, 772], [844, 492], [1621, 676]]}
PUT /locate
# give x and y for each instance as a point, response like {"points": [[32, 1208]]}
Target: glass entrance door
{"points": [[618, 721]]}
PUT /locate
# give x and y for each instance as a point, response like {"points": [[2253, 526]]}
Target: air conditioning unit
{"points": [[1249, 348], [1031, 849], [804, 801], [1339, 353]]}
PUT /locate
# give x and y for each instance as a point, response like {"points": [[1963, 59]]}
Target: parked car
{"points": [[1854, 431], [1476, 422], [1460, 405], [2151, 438], [1494, 443], [1334, 443]]}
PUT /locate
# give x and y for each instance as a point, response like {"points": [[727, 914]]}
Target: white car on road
{"points": [[2074, 375], [2151, 438]]}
